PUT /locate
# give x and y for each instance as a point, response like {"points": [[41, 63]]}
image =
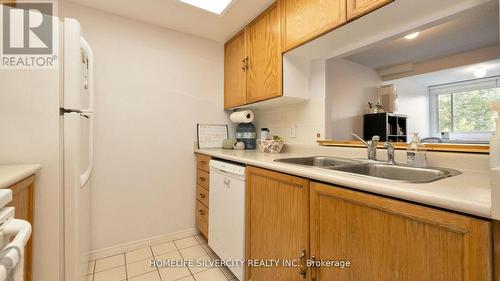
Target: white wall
{"points": [[298, 123], [349, 88], [152, 86], [29, 124], [413, 100]]}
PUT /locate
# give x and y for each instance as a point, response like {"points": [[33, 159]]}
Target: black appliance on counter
{"points": [[390, 127]]}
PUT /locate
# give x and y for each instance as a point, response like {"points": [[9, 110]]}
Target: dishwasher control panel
{"points": [[228, 167]]}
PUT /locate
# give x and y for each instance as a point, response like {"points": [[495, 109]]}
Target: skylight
{"points": [[213, 6]]}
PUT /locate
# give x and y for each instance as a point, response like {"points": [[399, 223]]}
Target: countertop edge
{"points": [[16, 173], [353, 182]]}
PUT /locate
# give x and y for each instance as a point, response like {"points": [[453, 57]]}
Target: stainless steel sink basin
{"points": [[400, 173], [318, 161], [383, 170]]}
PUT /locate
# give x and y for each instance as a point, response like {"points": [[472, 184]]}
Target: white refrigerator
{"points": [[46, 117], [77, 122]]}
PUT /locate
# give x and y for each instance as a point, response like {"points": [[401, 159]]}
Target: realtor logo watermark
{"points": [[29, 33]]}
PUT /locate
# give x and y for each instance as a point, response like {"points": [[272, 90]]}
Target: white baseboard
{"points": [[134, 245]]}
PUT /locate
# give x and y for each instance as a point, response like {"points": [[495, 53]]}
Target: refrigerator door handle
{"points": [[88, 113]]}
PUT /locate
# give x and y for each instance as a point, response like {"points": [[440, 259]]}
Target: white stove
{"points": [[14, 234]]}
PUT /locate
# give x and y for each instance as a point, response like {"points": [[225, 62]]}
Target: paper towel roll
{"points": [[244, 116]]}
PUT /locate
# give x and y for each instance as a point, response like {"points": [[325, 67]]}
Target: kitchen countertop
{"points": [[468, 193], [11, 174]]}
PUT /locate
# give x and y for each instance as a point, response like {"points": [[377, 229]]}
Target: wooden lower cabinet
{"points": [[277, 223], [202, 193], [23, 201], [387, 239], [363, 236]]}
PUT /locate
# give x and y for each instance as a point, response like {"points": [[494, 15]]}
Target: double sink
{"points": [[376, 169]]}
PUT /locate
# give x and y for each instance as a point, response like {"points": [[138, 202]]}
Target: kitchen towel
{"points": [[244, 116]]}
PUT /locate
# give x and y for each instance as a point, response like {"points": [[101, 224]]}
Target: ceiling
{"points": [[456, 74], [182, 17], [469, 30]]}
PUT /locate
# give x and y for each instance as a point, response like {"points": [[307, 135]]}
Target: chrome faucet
{"points": [[371, 146], [390, 153]]}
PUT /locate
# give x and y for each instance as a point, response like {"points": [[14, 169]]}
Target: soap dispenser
{"points": [[495, 138], [415, 153]]}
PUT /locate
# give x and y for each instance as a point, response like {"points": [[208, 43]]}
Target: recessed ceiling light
{"points": [[480, 72], [412, 35], [214, 6]]}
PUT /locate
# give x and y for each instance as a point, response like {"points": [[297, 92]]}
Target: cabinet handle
{"points": [[202, 179], [303, 270], [201, 212], [202, 195], [245, 64]]}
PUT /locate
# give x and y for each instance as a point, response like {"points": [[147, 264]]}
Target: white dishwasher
{"points": [[226, 231]]}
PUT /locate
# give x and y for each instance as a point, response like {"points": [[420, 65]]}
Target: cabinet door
{"points": [[277, 223], [357, 8], [235, 84], [304, 20], [386, 239], [264, 76]]}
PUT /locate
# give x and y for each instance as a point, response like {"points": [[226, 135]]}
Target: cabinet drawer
{"points": [[202, 162], [202, 178], [202, 195], [202, 218]]}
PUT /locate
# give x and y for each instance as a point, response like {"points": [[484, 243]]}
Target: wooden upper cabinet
{"points": [[357, 8], [304, 20], [387, 239], [264, 75], [235, 83], [277, 223]]}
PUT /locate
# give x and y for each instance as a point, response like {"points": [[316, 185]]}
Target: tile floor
{"points": [[135, 265]]}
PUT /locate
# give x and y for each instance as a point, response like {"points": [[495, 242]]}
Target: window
{"points": [[464, 108]]}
